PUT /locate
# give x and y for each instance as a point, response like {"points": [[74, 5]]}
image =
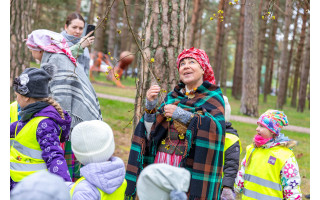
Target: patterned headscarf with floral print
{"points": [[201, 57], [49, 41]]}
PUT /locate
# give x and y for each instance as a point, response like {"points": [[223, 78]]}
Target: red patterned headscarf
{"points": [[202, 58]]}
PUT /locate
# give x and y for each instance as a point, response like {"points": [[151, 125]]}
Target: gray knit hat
{"points": [[163, 182], [41, 186], [33, 82]]}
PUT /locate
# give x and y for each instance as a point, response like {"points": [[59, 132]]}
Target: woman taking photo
{"points": [[187, 130], [70, 86], [73, 30]]}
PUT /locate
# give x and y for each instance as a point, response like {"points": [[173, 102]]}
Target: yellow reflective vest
{"points": [[229, 140], [14, 112], [25, 151], [262, 175], [116, 195]]}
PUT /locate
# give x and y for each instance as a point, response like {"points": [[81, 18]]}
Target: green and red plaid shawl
{"points": [[205, 135]]}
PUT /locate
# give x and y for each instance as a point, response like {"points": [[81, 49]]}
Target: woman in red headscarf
{"points": [[187, 130]]}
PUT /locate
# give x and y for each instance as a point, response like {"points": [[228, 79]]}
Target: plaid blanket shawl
{"points": [[205, 135]]}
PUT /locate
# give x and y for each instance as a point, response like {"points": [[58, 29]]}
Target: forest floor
{"points": [[117, 105]]}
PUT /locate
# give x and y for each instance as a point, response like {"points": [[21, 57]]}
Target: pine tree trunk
{"points": [[284, 56], [92, 11], [298, 60], [237, 74], [198, 33], [125, 35], [100, 32], [165, 38], [78, 6], [112, 25], [290, 54], [270, 56], [223, 5], [304, 76], [261, 41], [20, 27], [249, 100], [194, 23]]}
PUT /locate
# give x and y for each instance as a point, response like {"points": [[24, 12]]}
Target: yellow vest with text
{"points": [[25, 152], [262, 175], [14, 112], [116, 195], [229, 140]]}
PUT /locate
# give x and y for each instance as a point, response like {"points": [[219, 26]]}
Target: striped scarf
{"points": [[205, 135]]}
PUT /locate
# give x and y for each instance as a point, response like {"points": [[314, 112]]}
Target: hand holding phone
{"points": [[90, 28]]}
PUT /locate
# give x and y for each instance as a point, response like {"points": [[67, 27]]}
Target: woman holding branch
{"points": [[187, 130]]}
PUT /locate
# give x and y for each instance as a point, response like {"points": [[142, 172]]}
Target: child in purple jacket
{"points": [[35, 138]]}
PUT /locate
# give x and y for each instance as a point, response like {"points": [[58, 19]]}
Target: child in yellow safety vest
{"points": [[102, 174], [270, 169], [231, 155], [35, 138]]}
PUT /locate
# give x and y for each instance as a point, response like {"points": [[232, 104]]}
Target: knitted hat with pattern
{"points": [[92, 142], [273, 120]]}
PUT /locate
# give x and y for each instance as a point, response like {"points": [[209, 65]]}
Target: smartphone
{"points": [[90, 28]]}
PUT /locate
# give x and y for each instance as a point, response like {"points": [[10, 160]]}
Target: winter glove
{"points": [[227, 194]]}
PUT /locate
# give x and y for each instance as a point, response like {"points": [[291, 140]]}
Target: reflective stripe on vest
{"points": [[256, 195], [262, 173], [14, 112], [25, 152], [116, 195]]}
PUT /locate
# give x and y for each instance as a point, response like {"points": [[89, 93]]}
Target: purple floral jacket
{"points": [[48, 132]]}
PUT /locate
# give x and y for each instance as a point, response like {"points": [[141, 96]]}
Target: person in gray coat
{"points": [[231, 156]]}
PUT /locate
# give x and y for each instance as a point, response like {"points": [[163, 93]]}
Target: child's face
{"points": [[264, 132], [37, 55], [22, 100]]}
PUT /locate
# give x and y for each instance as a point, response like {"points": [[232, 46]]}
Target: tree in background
{"points": [[237, 73], [284, 56], [249, 99], [298, 59], [100, 33], [164, 38], [304, 75], [194, 26], [270, 55], [20, 27], [112, 25]]}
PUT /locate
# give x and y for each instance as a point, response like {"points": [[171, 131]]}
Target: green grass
{"points": [[301, 151], [117, 114], [112, 90], [295, 118]]}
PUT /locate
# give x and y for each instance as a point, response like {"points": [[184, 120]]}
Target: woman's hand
{"points": [[153, 92], [87, 40], [169, 109]]}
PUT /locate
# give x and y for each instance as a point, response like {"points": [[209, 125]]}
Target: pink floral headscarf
{"points": [[49, 41], [202, 58]]}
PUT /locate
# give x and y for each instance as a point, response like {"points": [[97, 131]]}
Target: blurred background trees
{"points": [[276, 63]]}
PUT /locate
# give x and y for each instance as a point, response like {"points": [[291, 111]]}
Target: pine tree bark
{"points": [[92, 11], [165, 38], [249, 100], [100, 33], [112, 25], [304, 76], [223, 5], [78, 6], [270, 56], [284, 56], [261, 41], [290, 54], [194, 23], [237, 74], [20, 27], [298, 60]]}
